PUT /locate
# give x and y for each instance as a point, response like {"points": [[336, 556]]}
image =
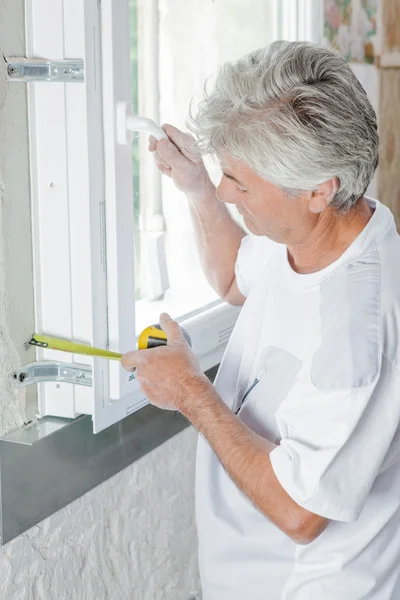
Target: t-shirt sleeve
{"points": [[334, 443], [253, 255]]}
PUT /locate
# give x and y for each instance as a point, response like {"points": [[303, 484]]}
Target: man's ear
{"points": [[323, 195]]}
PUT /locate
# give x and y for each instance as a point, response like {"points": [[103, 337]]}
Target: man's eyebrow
{"points": [[233, 178]]}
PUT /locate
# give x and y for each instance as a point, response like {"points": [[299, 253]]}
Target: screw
{"points": [[12, 70], [22, 377]]}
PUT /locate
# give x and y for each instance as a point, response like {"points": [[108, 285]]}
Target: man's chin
{"points": [[254, 231]]}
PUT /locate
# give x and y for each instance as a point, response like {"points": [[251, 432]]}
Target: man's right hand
{"points": [[176, 158]]}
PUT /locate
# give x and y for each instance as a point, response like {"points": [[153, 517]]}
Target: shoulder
{"points": [[349, 354], [360, 318]]}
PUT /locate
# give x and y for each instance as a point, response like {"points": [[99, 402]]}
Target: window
{"points": [[300, 20], [108, 230]]}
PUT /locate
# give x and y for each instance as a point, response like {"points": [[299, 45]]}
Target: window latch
{"points": [[39, 69], [48, 370]]}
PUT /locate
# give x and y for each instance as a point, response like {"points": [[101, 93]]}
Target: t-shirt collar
{"points": [[380, 224]]}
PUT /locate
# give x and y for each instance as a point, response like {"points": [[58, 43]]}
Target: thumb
{"points": [[175, 336]]}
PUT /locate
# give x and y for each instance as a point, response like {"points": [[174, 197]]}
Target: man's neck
{"points": [[329, 239]]}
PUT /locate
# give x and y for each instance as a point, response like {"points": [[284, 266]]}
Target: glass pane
{"points": [[176, 47]]}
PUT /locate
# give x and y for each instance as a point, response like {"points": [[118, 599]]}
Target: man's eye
{"points": [[239, 189]]}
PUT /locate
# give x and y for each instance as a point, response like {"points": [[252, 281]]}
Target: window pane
{"points": [[189, 40]]}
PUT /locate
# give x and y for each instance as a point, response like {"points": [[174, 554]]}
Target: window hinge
{"points": [[48, 370], [40, 69]]}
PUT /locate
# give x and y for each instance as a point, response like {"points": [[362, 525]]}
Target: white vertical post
{"points": [[64, 181], [310, 23], [79, 195], [289, 19], [94, 112], [50, 208], [118, 188]]}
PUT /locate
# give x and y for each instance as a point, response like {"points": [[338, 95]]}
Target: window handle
{"points": [[127, 123]]}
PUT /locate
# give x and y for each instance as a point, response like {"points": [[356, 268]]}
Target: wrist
{"points": [[204, 193], [200, 394]]}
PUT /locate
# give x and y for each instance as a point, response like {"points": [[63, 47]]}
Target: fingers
{"points": [[130, 360], [153, 148], [160, 162], [178, 137], [184, 142], [152, 143], [174, 333], [165, 170], [170, 154], [174, 152]]}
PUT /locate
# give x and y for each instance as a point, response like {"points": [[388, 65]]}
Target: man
{"points": [[298, 475]]}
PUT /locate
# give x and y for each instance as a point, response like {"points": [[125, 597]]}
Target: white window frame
{"points": [[300, 20], [60, 191], [83, 245], [82, 204]]}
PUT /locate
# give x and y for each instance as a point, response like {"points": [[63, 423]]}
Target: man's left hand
{"points": [[170, 376]]}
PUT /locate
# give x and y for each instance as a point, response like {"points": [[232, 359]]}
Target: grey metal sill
{"points": [[48, 464]]}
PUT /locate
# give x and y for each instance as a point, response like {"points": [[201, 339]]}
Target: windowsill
{"points": [[59, 460]]}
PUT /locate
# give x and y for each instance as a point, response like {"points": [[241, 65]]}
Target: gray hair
{"points": [[296, 114]]}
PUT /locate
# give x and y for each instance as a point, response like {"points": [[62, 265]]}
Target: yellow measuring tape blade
{"points": [[44, 341]]}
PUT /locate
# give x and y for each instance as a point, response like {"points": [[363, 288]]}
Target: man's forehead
{"points": [[238, 170], [233, 164], [227, 161]]}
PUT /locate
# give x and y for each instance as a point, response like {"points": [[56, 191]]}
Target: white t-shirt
{"points": [[324, 349]]}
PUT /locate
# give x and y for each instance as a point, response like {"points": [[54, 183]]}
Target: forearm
{"points": [[171, 377], [218, 239], [245, 457]]}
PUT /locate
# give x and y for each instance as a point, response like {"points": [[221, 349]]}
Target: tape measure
{"points": [[151, 337], [154, 336], [52, 343]]}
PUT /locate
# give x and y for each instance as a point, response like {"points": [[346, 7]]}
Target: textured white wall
{"points": [[16, 289], [133, 537]]}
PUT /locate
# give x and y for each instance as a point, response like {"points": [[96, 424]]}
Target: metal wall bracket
{"points": [[48, 370], [39, 69]]}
